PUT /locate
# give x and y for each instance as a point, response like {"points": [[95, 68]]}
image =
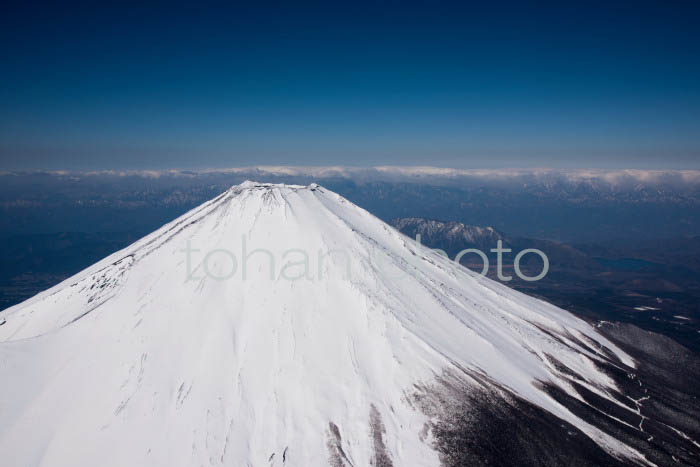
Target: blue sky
{"points": [[87, 86]]}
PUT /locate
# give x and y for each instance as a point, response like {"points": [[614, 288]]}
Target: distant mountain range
{"points": [[650, 283], [561, 205], [453, 237]]}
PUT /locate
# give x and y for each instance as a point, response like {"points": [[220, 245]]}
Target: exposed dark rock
{"points": [[336, 454], [474, 422], [381, 455]]}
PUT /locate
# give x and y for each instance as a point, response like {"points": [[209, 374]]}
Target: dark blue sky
{"points": [[433, 83]]}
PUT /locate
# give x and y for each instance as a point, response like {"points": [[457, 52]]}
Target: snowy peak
{"points": [[280, 325], [251, 185]]}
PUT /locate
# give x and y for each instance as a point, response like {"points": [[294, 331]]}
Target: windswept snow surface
{"points": [[134, 362]]}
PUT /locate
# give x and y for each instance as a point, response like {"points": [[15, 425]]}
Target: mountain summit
{"points": [[283, 325]]}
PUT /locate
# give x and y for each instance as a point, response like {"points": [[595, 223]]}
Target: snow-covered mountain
{"points": [[450, 234], [283, 325]]}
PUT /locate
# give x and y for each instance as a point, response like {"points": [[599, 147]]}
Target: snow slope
{"points": [[135, 362]]}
